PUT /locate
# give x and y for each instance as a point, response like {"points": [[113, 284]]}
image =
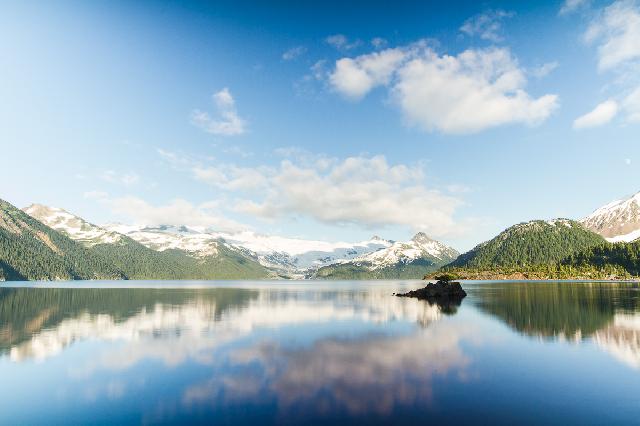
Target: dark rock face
{"points": [[440, 291]]}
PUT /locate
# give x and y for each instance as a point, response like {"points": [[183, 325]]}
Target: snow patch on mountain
{"points": [[617, 221], [71, 225], [420, 247], [298, 253], [292, 256], [161, 238], [285, 254]]}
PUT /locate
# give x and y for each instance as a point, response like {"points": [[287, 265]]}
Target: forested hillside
{"points": [[528, 244], [30, 250]]}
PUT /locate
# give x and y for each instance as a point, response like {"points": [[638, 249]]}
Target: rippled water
{"points": [[319, 352]]}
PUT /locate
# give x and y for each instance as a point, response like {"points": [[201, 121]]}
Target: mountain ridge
{"points": [[157, 247], [127, 257], [530, 243], [409, 259], [617, 221]]}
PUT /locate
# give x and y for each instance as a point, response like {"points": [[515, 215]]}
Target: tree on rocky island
{"points": [[446, 277]]}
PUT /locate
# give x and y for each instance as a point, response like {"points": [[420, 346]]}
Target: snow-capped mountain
{"points": [[71, 225], [165, 237], [293, 257], [281, 253], [617, 221], [300, 254], [419, 247]]}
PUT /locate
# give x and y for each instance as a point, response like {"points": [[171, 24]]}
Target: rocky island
{"points": [[442, 290]]}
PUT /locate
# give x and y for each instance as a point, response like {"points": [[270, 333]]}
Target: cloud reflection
{"points": [[371, 374], [622, 339], [173, 333]]}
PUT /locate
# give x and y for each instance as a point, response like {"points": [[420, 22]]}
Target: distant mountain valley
{"points": [[49, 243]]}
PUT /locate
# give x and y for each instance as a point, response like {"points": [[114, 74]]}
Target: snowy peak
{"points": [[419, 247], [296, 254], [166, 237], [291, 256], [421, 238], [617, 221], [71, 225]]}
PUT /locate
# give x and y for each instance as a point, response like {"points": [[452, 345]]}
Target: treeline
{"points": [[610, 255], [30, 250], [560, 249], [601, 262], [352, 271], [556, 271], [530, 244]]}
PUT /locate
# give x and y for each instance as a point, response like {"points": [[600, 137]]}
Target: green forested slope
{"points": [[352, 271], [608, 255], [30, 250], [529, 244], [138, 262]]}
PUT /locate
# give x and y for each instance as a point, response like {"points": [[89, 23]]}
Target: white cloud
{"points": [[230, 177], [356, 77], [600, 115], [126, 179], [616, 33], [617, 30], [570, 6], [365, 191], [486, 25], [544, 69], [95, 195], [176, 161], [466, 93], [176, 212], [631, 104], [341, 42], [293, 53], [378, 42], [228, 123], [476, 90], [224, 176], [318, 69], [627, 161]]}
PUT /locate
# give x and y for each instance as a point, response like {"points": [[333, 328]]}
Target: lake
{"points": [[318, 353]]}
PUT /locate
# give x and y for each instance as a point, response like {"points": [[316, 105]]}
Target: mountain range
{"points": [[617, 221], [49, 243], [399, 260], [532, 243], [605, 244], [118, 251]]}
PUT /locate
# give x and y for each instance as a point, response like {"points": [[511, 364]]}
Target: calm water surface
{"points": [[319, 352]]}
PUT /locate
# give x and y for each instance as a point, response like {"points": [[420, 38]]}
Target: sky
{"points": [[334, 121]]}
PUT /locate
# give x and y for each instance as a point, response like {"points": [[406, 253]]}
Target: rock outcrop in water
{"points": [[439, 292]]}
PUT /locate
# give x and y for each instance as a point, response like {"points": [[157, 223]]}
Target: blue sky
{"points": [[335, 121]]}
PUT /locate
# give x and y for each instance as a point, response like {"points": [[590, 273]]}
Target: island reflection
{"points": [[238, 339], [273, 354], [608, 313]]}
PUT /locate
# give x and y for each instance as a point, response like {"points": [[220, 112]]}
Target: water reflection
{"points": [[556, 309], [39, 323], [605, 312], [271, 355], [365, 376], [621, 338]]}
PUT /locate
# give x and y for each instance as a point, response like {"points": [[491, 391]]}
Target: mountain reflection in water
{"points": [[608, 313], [272, 354]]}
